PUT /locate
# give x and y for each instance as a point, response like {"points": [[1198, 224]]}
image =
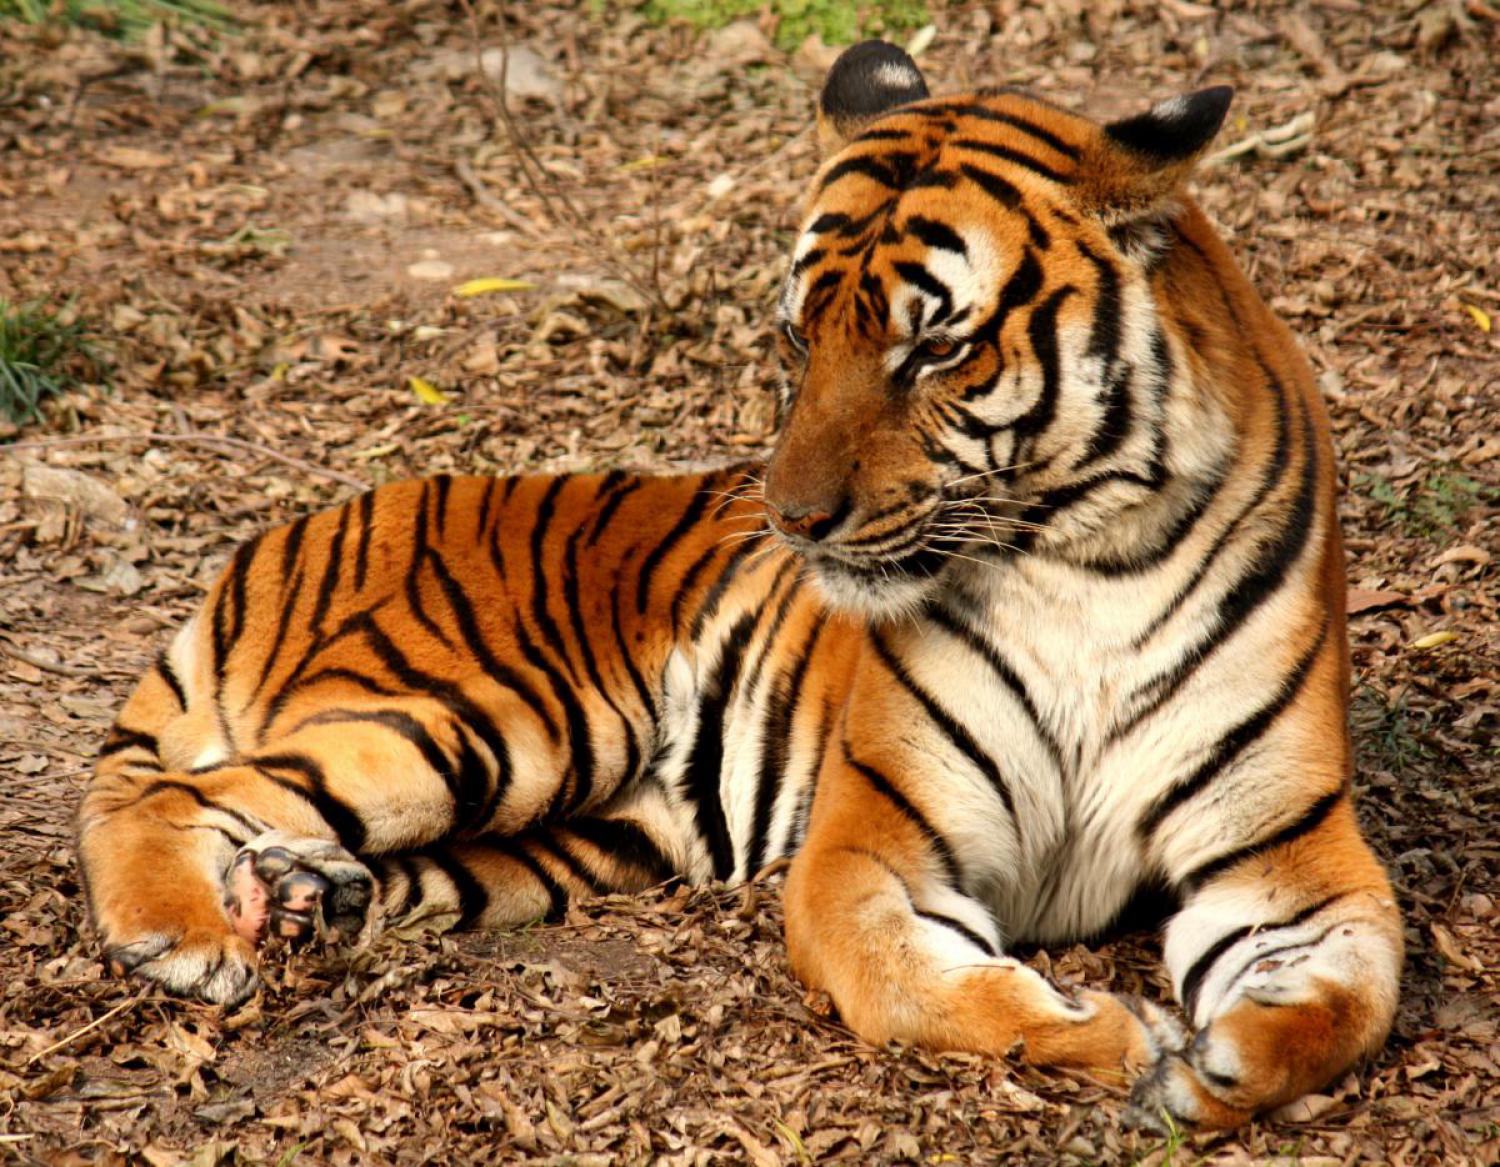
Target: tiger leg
{"points": [[875, 918], [499, 881], [1287, 964], [163, 848]]}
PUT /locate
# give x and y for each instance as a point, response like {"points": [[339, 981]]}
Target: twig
{"points": [[194, 439], [46, 665], [553, 197], [486, 199], [77, 1033]]}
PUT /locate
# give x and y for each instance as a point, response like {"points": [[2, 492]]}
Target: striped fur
{"points": [[1053, 616]]}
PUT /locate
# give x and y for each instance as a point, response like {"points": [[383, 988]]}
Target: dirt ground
{"points": [[268, 230]]}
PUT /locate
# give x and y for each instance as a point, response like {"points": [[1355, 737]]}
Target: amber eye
{"points": [[936, 349]]}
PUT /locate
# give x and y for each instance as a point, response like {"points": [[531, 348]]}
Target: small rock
{"points": [[365, 206], [430, 269], [94, 499], [526, 74]]}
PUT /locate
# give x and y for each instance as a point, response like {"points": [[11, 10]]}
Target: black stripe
{"points": [[1104, 343], [476, 643], [1020, 289], [704, 773], [331, 571], [362, 549], [1234, 743], [408, 727], [1007, 676], [1019, 157], [486, 503], [956, 733], [557, 895], [715, 595], [1192, 982], [1243, 598], [1304, 824], [283, 626], [345, 822], [625, 842], [985, 113], [580, 742], [1003, 192], [617, 492], [444, 484], [168, 674], [421, 552], [162, 786], [685, 523], [776, 745], [887, 789], [961, 928], [923, 280], [541, 588], [226, 635], [473, 899], [554, 850], [1041, 331], [936, 234], [453, 698], [573, 602], [690, 580], [121, 739], [642, 690]]}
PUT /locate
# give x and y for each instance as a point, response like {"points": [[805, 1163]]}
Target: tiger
{"points": [[1036, 606]]}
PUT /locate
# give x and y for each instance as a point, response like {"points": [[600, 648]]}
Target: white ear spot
{"points": [[896, 75], [1172, 109]]}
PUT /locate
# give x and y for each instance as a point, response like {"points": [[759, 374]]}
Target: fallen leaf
{"points": [[487, 285], [133, 158], [427, 392], [1364, 600], [1481, 317], [1308, 1108], [1434, 639]]}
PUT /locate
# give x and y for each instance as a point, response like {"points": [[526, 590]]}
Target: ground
{"points": [[267, 231]]}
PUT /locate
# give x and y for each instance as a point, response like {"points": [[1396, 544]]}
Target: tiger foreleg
{"points": [[1288, 966], [906, 957]]}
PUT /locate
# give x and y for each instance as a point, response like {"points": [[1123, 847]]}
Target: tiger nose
{"points": [[805, 521]]}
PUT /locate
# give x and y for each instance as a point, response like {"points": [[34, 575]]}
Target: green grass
{"points": [[42, 351], [836, 21], [1386, 732], [124, 19], [1429, 507]]}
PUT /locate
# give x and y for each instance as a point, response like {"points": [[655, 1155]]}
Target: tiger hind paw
{"points": [[294, 888]]}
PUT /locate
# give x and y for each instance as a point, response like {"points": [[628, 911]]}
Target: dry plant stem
{"points": [[195, 439], [45, 665], [555, 201], [77, 1033]]}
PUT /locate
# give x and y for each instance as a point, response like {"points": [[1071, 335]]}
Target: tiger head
{"points": [[970, 328]]}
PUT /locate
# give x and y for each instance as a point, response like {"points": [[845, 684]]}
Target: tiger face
{"points": [[969, 332]]}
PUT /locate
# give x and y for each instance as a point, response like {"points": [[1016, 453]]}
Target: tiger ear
{"points": [[1138, 163], [869, 79]]}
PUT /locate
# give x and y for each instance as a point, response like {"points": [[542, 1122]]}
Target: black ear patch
{"points": [[1176, 128], [867, 80]]}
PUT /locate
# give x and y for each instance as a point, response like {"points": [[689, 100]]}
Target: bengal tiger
{"points": [[1038, 604]]}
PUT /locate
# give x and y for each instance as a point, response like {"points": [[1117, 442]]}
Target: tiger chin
{"points": [[1052, 613]]}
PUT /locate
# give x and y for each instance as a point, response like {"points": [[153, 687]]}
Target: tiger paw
{"points": [[210, 964], [295, 888]]}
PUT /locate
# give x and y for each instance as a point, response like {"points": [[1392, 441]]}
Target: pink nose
{"points": [[796, 520]]}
